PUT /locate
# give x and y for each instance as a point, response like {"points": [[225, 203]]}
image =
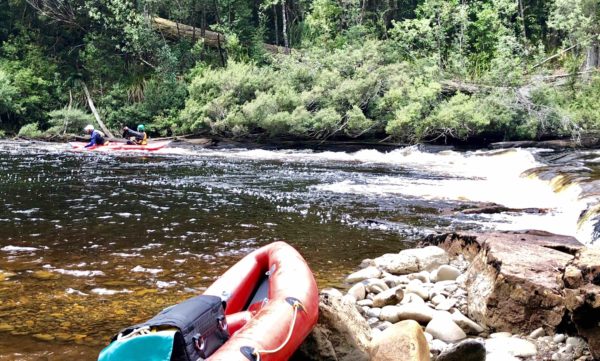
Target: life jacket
{"points": [[144, 140]]}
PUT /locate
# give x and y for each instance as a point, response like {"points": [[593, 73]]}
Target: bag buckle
{"points": [[199, 342]]}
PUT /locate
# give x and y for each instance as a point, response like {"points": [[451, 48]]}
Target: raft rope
{"points": [[296, 305]]}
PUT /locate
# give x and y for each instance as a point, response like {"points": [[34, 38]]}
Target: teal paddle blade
{"points": [[155, 346]]}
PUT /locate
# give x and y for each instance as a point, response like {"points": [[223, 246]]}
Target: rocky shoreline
{"points": [[492, 296]]}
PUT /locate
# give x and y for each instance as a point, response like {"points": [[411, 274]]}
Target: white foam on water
{"points": [[126, 255], [18, 249], [146, 270], [79, 273], [163, 284], [107, 292], [72, 291]]}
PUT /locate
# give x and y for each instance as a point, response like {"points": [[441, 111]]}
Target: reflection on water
{"points": [[92, 242]]}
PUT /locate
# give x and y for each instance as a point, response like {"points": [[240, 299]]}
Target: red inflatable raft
{"points": [[117, 146], [272, 304]]}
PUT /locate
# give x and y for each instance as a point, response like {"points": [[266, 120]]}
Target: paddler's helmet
{"points": [[88, 128], [141, 128]]}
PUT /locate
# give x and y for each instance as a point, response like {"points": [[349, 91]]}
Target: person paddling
{"points": [[140, 137], [96, 136]]}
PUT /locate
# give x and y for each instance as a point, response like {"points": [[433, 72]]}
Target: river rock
{"points": [[466, 350], [403, 341], [446, 305], [582, 289], [447, 273], [501, 356], [397, 263], [388, 297], [374, 312], [467, 325], [411, 298], [376, 285], [358, 291], [416, 287], [511, 345], [332, 292], [415, 311], [341, 334], [365, 302], [538, 333], [422, 276], [443, 328], [514, 282], [389, 313], [363, 274], [428, 258]]}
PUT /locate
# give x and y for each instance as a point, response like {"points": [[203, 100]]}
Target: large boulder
{"points": [[582, 290], [341, 334], [514, 282], [403, 341]]}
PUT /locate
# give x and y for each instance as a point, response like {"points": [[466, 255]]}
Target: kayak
{"points": [[118, 146], [261, 309], [272, 304]]}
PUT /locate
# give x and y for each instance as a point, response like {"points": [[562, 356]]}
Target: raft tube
{"points": [[117, 146], [272, 304]]}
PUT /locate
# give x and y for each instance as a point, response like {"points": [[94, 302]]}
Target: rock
{"points": [[332, 292], [538, 333], [514, 283], [363, 274], [447, 273], [428, 336], [384, 325], [422, 276], [559, 338], [376, 285], [415, 311], [358, 291], [367, 302], [443, 328], [412, 298], [416, 287], [501, 356], [514, 346], [437, 299], [500, 334], [388, 297], [433, 276], [583, 295], [341, 334], [397, 263], [469, 326], [348, 299], [446, 304], [389, 313], [403, 341], [466, 350], [437, 346], [428, 258], [374, 312]]}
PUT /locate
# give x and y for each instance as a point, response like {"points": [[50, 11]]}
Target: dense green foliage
{"points": [[410, 71]]}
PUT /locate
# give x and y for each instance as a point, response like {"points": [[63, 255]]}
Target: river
{"points": [[92, 241]]}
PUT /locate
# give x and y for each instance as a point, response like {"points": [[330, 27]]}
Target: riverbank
{"points": [[493, 296]]}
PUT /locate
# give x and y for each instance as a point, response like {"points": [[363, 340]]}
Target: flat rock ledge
{"points": [[528, 295]]}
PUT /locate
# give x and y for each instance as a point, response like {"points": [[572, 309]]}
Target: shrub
{"points": [[67, 120], [30, 130]]}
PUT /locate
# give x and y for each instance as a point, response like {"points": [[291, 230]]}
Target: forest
{"points": [[390, 70]]}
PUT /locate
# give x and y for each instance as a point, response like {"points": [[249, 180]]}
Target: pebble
{"points": [[559, 338], [363, 274], [538, 333], [500, 356], [467, 325], [416, 287], [412, 298], [500, 334], [443, 328], [466, 350], [415, 311], [437, 346], [512, 345], [446, 273], [358, 291], [366, 302], [374, 312], [376, 285], [388, 297], [389, 313], [437, 299], [446, 304]]}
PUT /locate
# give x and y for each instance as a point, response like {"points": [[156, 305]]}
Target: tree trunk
{"points": [[286, 43], [522, 15], [592, 59], [203, 23], [363, 10], [276, 21], [93, 108]]}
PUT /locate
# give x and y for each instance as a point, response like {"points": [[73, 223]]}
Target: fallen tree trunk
{"points": [[95, 112], [173, 29]]}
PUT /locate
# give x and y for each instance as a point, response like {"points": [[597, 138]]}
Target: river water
{"points": [[92, 241]]}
